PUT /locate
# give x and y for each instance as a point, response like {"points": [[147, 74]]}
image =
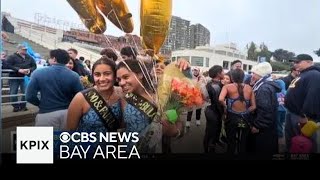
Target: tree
{"points": [[264, 52], [252, 54], [282, 55], [317, 52], [278, 66]]}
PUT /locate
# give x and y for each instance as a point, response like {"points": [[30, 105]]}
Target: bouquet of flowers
{"points": [[177, 93], [85, 82]]}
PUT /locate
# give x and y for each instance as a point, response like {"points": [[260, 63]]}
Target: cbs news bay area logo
{"points": [[42, 144]]}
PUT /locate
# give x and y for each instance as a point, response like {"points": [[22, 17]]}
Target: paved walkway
{"points": [[9, 119], [192, 141], [7, 111]]}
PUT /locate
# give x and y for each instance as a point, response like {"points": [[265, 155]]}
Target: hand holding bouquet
{"points": [[177, 92]]}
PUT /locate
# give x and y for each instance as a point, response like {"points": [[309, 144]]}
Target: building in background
{"points": [[199, 36], [183, 35], [205, 57], [178, 36]]}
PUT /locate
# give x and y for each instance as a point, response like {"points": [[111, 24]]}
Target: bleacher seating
{"points": [[15, 39]]}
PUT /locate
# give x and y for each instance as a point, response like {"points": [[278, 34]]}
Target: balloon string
{"points": [[99, 11], [144, 88], [148, 77], [121, 27], [111, 45], [152, 85], [149, 81]]}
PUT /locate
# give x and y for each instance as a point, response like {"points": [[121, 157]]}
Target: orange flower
{"points": [[185, 93], [198, 101]]}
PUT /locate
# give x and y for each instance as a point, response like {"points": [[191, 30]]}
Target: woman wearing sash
{"points": [[98, 108], [140, 109], [239, 105]]}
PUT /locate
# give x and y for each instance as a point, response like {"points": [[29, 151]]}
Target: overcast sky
{"points": [[289, 24]]}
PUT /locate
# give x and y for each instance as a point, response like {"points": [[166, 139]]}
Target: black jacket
{"points": [[79, 68], [267, 106], [287, 80], [214, 89], [4, 64], [303, 95], [16, 62]]}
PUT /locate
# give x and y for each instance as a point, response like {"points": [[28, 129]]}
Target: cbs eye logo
{"points": [[77, 137], [65, 137]]}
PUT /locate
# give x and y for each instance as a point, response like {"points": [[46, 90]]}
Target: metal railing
{"points": [[11, 95]]}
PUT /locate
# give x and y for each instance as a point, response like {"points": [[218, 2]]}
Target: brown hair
{"points": [[109, 53], [237, 77], [137, 68], [107, 61]]}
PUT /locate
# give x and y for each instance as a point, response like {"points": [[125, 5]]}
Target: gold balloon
{"points": [[155, 16], [89, 15], [120, 16]]}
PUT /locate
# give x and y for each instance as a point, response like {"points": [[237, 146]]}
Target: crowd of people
{"points": [[258, 112], [248, 112]]}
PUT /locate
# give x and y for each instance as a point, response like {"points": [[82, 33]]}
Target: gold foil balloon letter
{"points": [[118, 13], [115, 10], [155, 21], [89, 15]]}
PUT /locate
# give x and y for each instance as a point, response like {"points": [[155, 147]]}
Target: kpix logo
{"points": [[29, 145], [34, 145]]}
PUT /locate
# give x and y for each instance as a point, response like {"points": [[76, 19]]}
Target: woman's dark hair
{"points": [[129, 51], [109, 53], [215, 70], [107, 61], [228, 74], [237, 76], [136, 67], [74, 64]]}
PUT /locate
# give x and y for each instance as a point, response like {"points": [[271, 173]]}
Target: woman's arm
{"points": [[180, 129], [172, 129], [75, 112], [222, 96]]}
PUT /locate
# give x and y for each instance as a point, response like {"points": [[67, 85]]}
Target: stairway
{"points": [[53, 41], [15, 39]]}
